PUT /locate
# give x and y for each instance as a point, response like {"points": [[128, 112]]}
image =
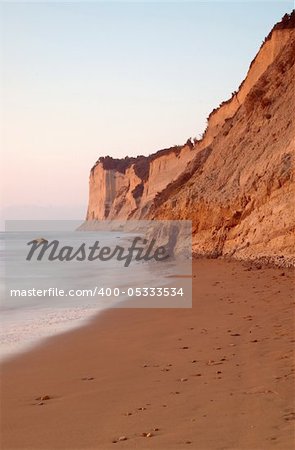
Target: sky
{"points": [[80, 80]]}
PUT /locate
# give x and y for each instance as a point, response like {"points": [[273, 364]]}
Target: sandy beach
{"points": [[217, 376]]}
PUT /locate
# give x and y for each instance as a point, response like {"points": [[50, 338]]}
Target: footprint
{"points": [[289, 416]]}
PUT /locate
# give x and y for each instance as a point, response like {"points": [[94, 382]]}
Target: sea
{"points": [[26, 320]]}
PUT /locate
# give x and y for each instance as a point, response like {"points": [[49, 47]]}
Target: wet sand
{"points": [[217, 376]]}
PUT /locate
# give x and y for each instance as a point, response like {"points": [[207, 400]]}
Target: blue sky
{"points": [[81, 80]]}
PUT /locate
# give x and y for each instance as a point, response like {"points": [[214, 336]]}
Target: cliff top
{"points": [[141, 162], [287, 22]]}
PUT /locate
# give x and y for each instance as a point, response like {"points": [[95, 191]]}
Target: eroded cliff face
{"points": [[265, 57], [237, 183], [121, 189]]}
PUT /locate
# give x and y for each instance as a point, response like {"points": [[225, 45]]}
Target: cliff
{"points": [[125, 188], [237, 183]]}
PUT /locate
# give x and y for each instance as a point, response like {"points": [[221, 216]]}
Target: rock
{"points": [[45, 397], [149, 434], [183, 379], [122, 438], [40, 240]]}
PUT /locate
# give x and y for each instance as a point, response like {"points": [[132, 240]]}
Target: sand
{"points": [[217, 376]]}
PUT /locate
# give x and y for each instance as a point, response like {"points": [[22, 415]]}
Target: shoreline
{"points": [[118, 375], [73, 318], [61, 328]]}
